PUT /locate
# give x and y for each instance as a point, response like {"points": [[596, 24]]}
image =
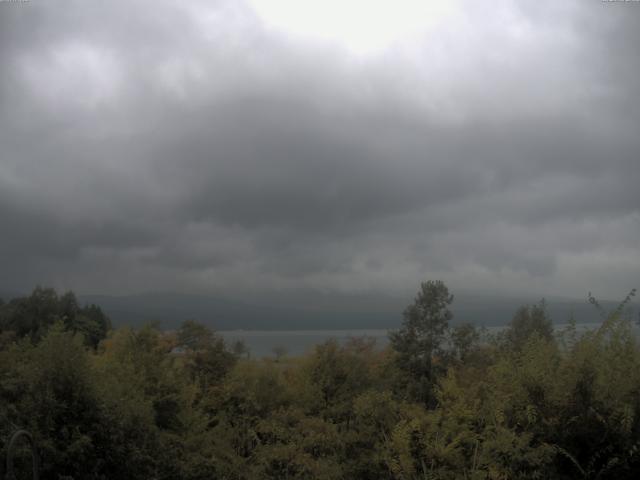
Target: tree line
{"points": [[442, 401]]}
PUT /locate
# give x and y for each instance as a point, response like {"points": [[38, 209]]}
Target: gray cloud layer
{"points": [[188, 146]]}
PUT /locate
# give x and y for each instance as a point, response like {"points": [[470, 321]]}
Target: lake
{"points": [[298, 342]]}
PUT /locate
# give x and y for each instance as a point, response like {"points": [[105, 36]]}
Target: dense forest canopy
{"points": [[33, 315], [441, 402]]}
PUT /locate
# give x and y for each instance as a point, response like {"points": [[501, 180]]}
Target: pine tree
{"points": [[419, 342]]}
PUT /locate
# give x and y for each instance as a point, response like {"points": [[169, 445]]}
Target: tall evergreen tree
{"points": [[419, 341]]}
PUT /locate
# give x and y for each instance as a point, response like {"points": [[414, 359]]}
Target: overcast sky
{"points": [[349, 146]]}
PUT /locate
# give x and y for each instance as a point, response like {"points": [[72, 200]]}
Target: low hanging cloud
{"points": [[196, 147]]}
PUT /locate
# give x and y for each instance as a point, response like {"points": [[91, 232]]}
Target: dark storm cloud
{"points": [[186, 146], [264, 163]]}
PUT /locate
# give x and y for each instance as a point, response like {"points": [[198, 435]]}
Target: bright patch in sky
{"points": [[364, 27]]}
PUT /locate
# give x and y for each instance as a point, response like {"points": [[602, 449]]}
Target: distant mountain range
{"points": [[317, 311]]}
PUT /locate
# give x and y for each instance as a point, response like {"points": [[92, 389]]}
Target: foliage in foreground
{"points": [[438, 404]]}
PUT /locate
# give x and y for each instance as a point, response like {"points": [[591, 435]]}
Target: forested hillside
{"points": [[441, 402]]}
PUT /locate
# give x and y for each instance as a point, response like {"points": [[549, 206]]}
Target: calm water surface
{"points": [[261, 343]]}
